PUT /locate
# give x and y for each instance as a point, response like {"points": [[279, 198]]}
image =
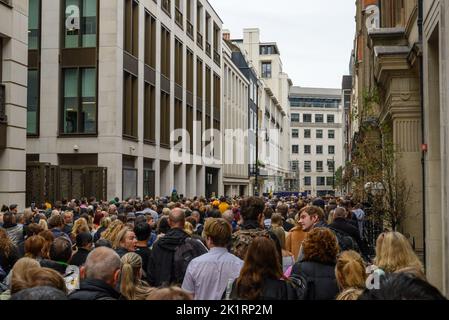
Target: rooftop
{"points": [[301, 92]]}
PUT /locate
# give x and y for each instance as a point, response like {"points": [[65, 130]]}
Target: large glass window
{"points": [[319, 134], [80, 105], [307, 149], [266, 70], [308, 166], [319, 118], [321, 181], [33, 102], [80, 23], [295, 149], [307, 118], [295, 133], [319, 166], [330, 118], [307, 181], [307, 133], [331, 134], [295, 117], [33, 24], [319, 149]]}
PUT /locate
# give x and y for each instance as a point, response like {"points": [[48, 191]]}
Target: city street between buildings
{"points": [[224, 154]]}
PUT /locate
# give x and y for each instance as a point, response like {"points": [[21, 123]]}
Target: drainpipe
{"points": [[423, 156]]}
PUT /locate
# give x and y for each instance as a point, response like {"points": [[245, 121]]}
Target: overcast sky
{"points": [[315, 37]]}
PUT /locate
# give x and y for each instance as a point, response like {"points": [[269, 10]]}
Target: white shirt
{"points": [[208, 275]]}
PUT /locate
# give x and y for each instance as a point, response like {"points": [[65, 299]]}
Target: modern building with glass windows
{"points": [[110, 81], [317, 137], [13, 100]]}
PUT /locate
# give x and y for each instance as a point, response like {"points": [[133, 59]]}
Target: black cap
{"points": [[83, 239]]}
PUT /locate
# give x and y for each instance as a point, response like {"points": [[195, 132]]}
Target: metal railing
{"points": [[199, 39]]}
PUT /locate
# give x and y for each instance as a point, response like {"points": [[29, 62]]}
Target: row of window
{"points": [[307, 118], [308, 134], [308, 149], [320, 181], [308, 166]]}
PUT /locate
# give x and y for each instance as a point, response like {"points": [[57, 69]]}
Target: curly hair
{"points": [[320, 246]]}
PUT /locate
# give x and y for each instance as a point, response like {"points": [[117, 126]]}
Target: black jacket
{"points": [[346, 226], [322, 284], [97, 234], [8, 261], [273, 289], [145, 254], [79, 258], [58, 267], [121, 251], [92, 289], [160, 266]]}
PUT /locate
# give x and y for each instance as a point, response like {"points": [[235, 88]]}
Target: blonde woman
{"points": [[350, 272], [113, 230], [131, 285], [43, 224], [79, 226], [18, 273], [394, 252]]}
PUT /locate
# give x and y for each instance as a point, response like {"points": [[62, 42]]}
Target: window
{"points": [[331, 149], [130, 105], [321, 181], [295, 149], [34, 25], [319, 166], [166, 6], [199, 24], [295, 117], [319, 118], [295, 166], [267, 50], [330, 118], [307, 133], [178, 62], [331, 165], [150, 40], [189, 71], [80, 24], [330, 181], [132, 27], [179, 18], [319, 149], [319, 134], [150, 113], [307, 118], [80, 107], [295, 133], [266, 70], [331, 134], [33, 102], [165, 119], [308, 166], [307, 181], [307, 150], [199, 79], [165, 52]]}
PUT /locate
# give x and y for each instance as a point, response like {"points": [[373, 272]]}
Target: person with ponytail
{"points": [[350, 272], [131, 285]]}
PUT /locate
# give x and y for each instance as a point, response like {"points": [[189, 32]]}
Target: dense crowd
{"points": [[175, 248]]}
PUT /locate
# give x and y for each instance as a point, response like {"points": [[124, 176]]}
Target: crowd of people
{"points": [[174, 248]]}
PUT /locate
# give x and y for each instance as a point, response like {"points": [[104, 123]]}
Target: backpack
{"points": [[241, 240], [345, 241], [184, 254], [303, 286]]}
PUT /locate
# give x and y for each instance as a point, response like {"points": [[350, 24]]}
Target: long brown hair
{"points": [[6, 245], [131, 285], [261, 262]]}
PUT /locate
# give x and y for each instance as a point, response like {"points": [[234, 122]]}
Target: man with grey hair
{"points": [[100, 275], [172, 253]]}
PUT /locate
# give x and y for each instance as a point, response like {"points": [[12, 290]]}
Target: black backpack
{"points": [[345, 241], [184, 254]]}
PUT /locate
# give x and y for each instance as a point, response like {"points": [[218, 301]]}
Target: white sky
{"points": [[315, 37]]}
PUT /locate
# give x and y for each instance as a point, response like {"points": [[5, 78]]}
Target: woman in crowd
{"points": [[295, 238], [261, 277], [8, 252], [17, 274], [125, 242], [288, 260], [350, 273], [49, 238], [80, 226], [393, 253], [34, 247], [104, 224], [318, 265], [131, 285], [113, 230]]}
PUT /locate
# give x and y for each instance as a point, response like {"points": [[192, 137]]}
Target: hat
{"points": [[319, 203], [83, 239]]}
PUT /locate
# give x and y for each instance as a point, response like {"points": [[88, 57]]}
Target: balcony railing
{"points": [[179, 18], [190, 29], [199, 40], [217, 57], [208, 49], [3, 117]]}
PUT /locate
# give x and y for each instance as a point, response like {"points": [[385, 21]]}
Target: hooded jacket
{"points": [[160, 266]]}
